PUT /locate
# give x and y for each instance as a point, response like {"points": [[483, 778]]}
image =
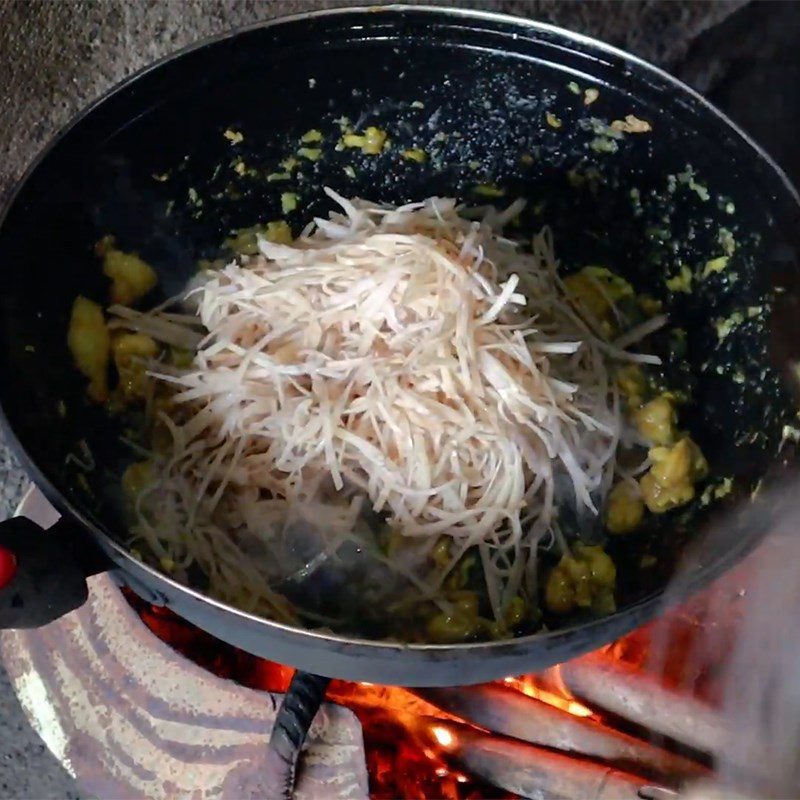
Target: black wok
{"points": [[149, 163]]}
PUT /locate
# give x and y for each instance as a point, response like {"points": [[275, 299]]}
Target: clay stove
{"points": [[136, 702]]}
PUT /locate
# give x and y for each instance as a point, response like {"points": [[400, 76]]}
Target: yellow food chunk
{"points": [[625, 508], [311, 153], [585, 579], [559, 594], [663, 498], [682, 462], [612, 285], [374, 140], [131, 352], [699, 468], [136, 478], [493, 629], [670, 481], [671, 465], [590, 95], [465, 603], [278, 232], [487, 190], [631, 124], [715, 265], [440, 555], [352, 140], [415, 154], [516, 611], [724, 327], [371, 142], [604, 573], [131, 277], [181, 358], [632, 384], [234, 137], [656, 421], [650, 305], [595, 288], [723, 489], [726, 241], [459, 576], [90, 345], [245, 242], [288, 202], [552, 120], [460, 621], [681, 281], [584, 293], [604, 602], [454, 627]]}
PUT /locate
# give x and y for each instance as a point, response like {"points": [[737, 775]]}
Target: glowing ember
{"points": [[443, 736]]}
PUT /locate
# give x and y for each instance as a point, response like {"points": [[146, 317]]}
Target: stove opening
{"points": [[634, 712]]}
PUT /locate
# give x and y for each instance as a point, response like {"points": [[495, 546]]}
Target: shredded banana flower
{"points": [[410, 354]]}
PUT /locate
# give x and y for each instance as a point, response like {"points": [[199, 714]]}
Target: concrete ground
{"points": [[57, 56]]}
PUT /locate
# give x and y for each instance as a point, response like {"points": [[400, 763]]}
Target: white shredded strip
{"points": [[406, 353]]}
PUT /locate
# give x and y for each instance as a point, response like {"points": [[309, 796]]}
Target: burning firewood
{"points": [[523, 768], [507, 711], [640, 698]]}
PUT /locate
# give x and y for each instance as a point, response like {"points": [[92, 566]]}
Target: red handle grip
{"points": [[41, 574], [8, 566]]}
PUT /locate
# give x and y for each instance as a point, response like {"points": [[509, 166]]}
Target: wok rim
{"points": [[621, 621]]}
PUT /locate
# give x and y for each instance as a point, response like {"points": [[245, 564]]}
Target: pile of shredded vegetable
{"points": [[409, 359]]}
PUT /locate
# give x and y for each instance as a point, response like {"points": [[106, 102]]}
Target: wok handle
{"points": [[295, 715], [43, 572]]}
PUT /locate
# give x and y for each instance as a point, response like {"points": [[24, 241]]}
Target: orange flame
{"points": [[549, 687]]}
